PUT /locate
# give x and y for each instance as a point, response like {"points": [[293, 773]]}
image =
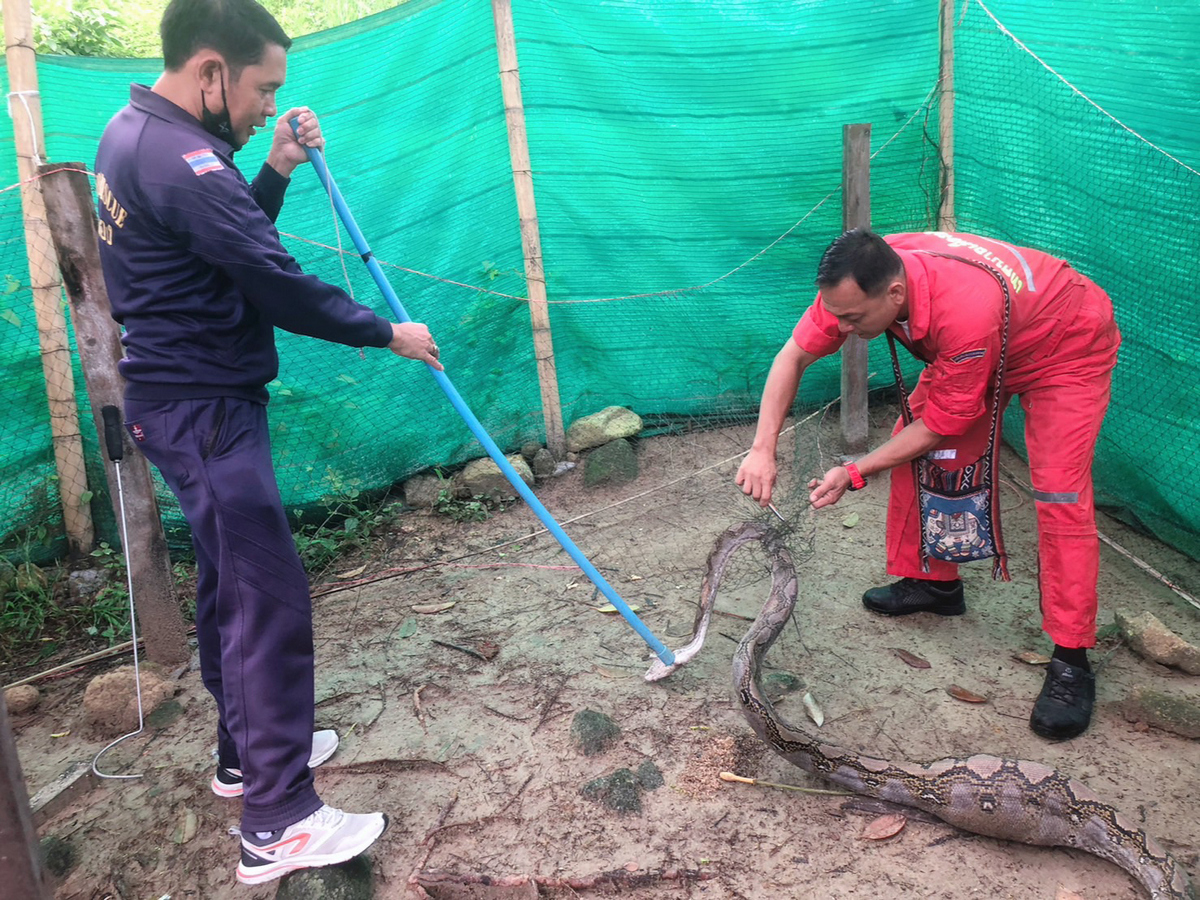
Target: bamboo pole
{"points": [[71, 213], [20, 857], [26, 111], [856, 213], [947, 220], [531, 244]]}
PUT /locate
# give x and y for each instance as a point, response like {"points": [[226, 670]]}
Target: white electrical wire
{"points": [[137, 675], [33, 136]]}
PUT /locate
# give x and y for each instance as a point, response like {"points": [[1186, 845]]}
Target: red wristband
{"points": [[857, 482]]}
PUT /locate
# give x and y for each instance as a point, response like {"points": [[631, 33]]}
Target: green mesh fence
{"points": [[1039, 164], [686, 159], [672, 143]]}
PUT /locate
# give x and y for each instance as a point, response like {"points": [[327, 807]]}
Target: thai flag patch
{"points": [[970, 354], [203, 161]]}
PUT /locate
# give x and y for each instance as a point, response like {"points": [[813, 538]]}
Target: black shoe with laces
{"points": [[1064, 707], [911, 595]]}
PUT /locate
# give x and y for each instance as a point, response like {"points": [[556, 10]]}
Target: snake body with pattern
{"points": [[1012, 799]]}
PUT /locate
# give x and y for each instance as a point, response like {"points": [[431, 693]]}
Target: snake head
{"points": [[658, 671]]}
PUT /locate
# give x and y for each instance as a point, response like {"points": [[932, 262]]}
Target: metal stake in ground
{"points": [[114, 440], [666, 656]]}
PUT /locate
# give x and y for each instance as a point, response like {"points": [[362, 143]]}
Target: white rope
{"points": [[1027, 490], [1016, 40], [924, 103], [337, 230], [23, 97]]}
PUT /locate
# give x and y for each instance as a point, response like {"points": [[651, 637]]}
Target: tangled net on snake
{"points": [[1011, 799]]}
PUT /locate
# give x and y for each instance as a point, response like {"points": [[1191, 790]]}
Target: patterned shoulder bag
{"points": [[960, 508]]}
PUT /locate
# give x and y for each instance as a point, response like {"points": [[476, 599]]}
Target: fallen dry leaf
{"points": [[850, 521], [353, 573], [408, 628], [884, 827], [1032, 658], [814, 711], [912, 659], [433, 607], [1063, 894], [961, 693], [488, 649], [609, 608]]}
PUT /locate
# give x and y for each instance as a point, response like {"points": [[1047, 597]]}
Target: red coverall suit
{"points": [[1062, 346]]}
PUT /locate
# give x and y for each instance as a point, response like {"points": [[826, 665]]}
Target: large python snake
{"points": [[1011, 799]]}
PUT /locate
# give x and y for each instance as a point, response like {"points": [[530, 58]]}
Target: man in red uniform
{"points": [[1062, 346]]}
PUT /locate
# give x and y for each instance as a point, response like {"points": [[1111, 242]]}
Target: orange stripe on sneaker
{"points": [[303, 840]]}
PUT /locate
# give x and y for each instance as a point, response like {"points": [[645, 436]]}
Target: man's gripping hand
{"points": [[289, 149], [756, 476], [829, 489]]}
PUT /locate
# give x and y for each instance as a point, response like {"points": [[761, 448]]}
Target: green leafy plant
{"points": [[348, 522], [26, 592], [129, 28], [77, 28], [318, 547], [107, 615], [473, 509]]}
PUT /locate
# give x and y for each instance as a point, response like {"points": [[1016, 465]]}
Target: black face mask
{"points": [[218, 124]]}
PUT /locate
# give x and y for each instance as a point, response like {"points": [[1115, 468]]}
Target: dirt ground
{"points": [[473, 758]]}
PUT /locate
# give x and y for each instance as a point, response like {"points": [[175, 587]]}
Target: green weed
{"points": [[36, 619], [473, 509], [348, 522]]}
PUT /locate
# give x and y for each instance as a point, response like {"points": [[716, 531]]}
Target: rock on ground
{"points": [[1152, 639], [483, 478], [352, 880], [609, 424], [1168, 711], [110, 703], [22, 699], [422, 491], [613, 463]]}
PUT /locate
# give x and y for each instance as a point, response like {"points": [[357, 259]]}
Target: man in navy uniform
{"points": [[198, 278]]}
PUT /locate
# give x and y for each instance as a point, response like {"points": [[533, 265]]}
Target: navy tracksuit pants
{"points": [[253, 609]]}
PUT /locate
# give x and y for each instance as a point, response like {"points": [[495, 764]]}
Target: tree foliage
{"points": [[129, 28], [77, 28]]}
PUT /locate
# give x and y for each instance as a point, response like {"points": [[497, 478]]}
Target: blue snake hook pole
{"points": [[665, 655]]}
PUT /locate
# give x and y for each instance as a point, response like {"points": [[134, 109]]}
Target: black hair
{"points": [[863, 254], [237, 29]]}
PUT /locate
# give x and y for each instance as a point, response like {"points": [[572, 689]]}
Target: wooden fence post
{"points": [[46, 287], [856, 213], [531, 243], [72, 217], [20, 856], [947, 219]]}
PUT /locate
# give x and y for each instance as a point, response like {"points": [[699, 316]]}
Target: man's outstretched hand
{"points": [[413, 340], [756, 476]]}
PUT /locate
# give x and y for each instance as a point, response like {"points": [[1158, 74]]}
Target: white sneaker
{"points": [[228, 782], [326, 837]]}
